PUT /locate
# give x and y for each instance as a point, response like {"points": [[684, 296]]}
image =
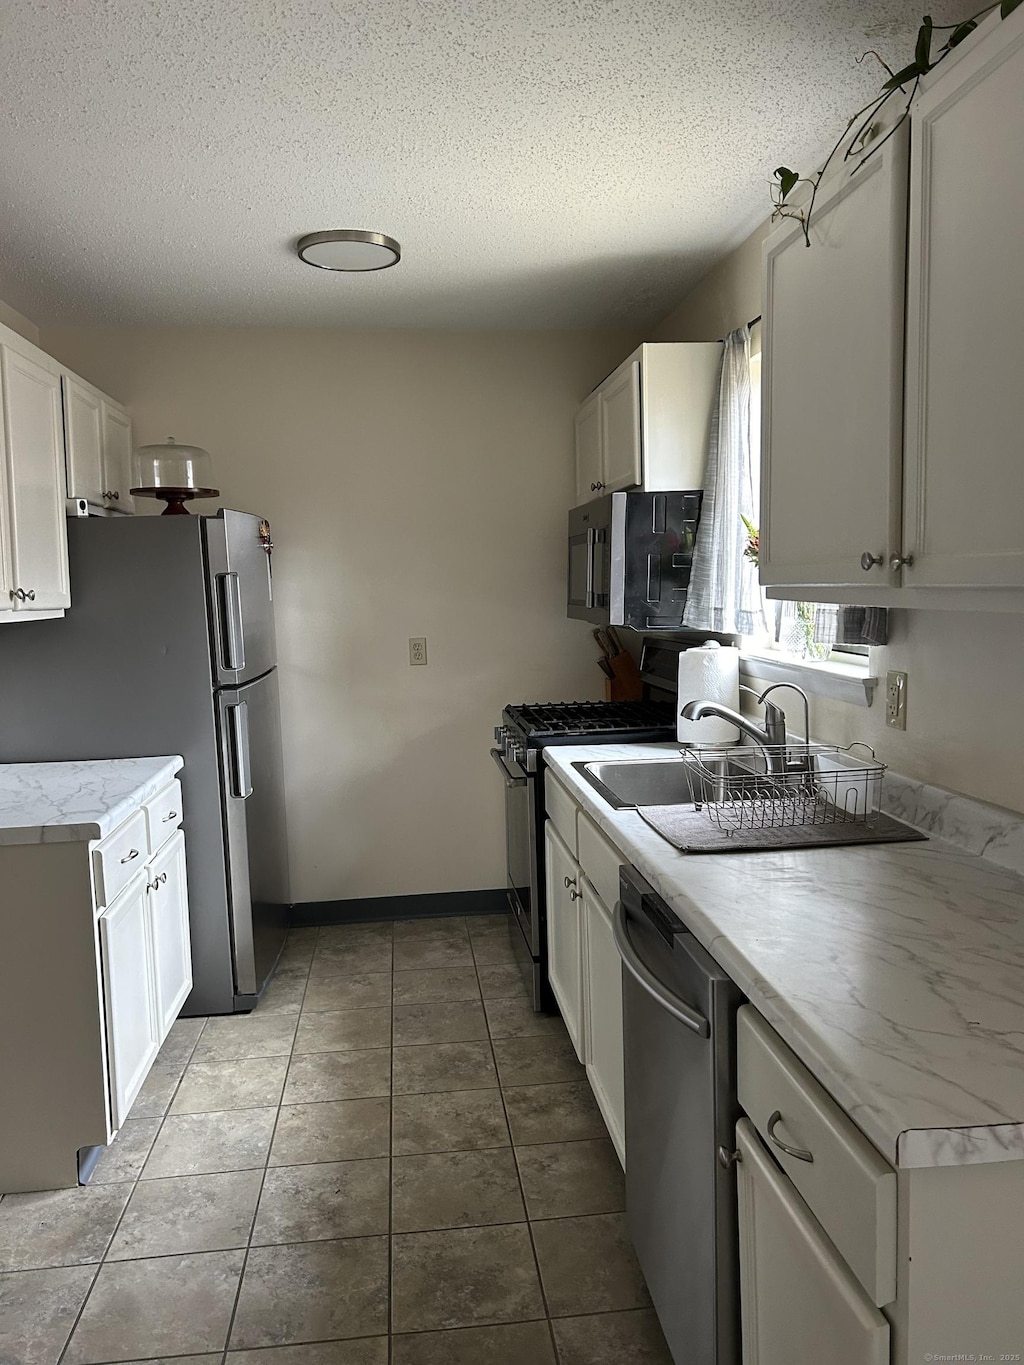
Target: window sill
{"points": [[842, 682]]}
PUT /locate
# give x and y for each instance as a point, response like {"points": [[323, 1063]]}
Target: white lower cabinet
{"points": [[133, 1034], [603, 977], [799, 1302], [168, 917], [565, 936]]}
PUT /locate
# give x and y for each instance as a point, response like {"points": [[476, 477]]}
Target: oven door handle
{"points": [[511, 779], [650, 983]]}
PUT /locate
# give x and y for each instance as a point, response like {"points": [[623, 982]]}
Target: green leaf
{"points": [[962, 30], [923, 51], [909, 73], [1007, 7], [787, 180]]}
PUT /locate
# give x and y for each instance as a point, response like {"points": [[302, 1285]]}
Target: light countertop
{"points": [[68, 802], [894, 971]]}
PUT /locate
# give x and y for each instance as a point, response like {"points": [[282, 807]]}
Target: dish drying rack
{"points": [[799, 784]]}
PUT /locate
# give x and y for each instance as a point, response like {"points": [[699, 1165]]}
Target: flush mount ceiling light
{"points": [[349, 249]]}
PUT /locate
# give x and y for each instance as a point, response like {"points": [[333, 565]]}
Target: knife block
{"points": [[626, 685]]}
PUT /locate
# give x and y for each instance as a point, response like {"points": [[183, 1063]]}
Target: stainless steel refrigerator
{"points": [[169, 648]]}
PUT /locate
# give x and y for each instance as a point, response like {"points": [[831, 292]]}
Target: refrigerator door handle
{"points": [[232, 637], [241, 779]]}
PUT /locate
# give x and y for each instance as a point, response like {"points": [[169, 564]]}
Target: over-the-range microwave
{"points": [[630, 556]]}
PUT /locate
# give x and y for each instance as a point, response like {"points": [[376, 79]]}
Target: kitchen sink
{"points": [[626, 782]]}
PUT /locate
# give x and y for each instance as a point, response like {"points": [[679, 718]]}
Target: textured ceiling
{"points": [[544, 163]]}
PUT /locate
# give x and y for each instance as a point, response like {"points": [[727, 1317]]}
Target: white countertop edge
{"points": [[80, 800], [924, 1147]]}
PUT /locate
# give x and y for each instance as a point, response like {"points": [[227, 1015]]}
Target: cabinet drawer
{"points": [[163, 815], [561, 809], [119, 858], [847, 1185], [600, 860]]}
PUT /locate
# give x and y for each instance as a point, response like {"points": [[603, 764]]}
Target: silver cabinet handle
{"points": [[130, 856], [900, 562], [801, 1153], [575, 895], [868, 560], [656, 989], [171, 815]]}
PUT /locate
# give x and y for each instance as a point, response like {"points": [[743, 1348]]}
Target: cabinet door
{"points": [[795, 1292], [604, 1017], [832, 393], [565, 936], [34, 439], [620, 429], [117, 458], [589, 483], [965, 475], [172, 951], [83, 441], [132, 1034]]}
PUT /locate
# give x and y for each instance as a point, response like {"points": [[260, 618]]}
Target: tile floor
{"points": [[392, 1161]]}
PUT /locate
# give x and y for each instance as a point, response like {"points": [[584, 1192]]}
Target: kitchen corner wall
{"points": [[417, 484], [965, 722]]}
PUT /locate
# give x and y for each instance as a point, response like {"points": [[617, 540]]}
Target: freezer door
{"points": [[248, 721], [241, 596]]}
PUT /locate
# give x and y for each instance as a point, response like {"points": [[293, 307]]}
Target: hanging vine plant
{"points": [[861, 144]]}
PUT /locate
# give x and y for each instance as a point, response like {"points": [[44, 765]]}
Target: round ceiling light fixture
{"points": [[349, 249]]}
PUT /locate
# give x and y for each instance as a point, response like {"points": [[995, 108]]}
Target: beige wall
{"points": [[965, 723], [17, 322], [417, 484]]}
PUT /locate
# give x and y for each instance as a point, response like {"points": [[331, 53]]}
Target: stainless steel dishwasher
{"points": [[679, 1021]]}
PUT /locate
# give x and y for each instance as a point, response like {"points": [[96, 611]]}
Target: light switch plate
{"points": [[896, 700], [417, 649]]}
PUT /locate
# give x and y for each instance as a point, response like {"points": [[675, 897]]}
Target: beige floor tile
{"points": [[563, 1179], [126, 1155], [501, 981], [422, 952], [588, 1265], [343, 992], [536, 1061], [188, 1213], [435, 985], [512, 1343], [493, 950], [172, 1305], [611, 1339], [180, 1042], [38, 1309], [451, 1121], [297, 954], [252, 1035], [343, 1030], [443, 1066], [366, 1351], [200, 1144], [553, 1113], [455, 1190], [323, 1202], [352, 958], [345, 935], [153, 1100], [314, 1291], [338, 1076], [214, 1359], [333, 1130], [59, 1227], [452, 1022], [246, 1083], [284, 991], [488, 926], [464, 1278], [448, 927], [516, 1018]]}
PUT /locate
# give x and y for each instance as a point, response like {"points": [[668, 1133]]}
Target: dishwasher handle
{"points": [[650, 983]]}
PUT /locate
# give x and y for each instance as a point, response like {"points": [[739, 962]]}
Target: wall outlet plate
{"points": [[896, 700], [417, 649]]}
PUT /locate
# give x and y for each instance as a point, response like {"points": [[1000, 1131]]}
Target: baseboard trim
{"points": [[428, 906]]}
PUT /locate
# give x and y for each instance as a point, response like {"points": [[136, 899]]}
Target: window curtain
{"points": [[724, 594]]}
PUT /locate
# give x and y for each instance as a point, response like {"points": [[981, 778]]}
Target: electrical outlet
{"points": [[418, 649], [896, 700]]}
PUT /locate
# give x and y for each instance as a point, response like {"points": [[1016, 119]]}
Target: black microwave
{"points": [[630, 556]]}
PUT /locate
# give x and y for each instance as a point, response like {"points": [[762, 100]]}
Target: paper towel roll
{"points": [[710, 673]]}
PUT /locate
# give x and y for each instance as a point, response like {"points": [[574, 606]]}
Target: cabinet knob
{"points": [[569, 881], [31, 594], [900, 562], [112, 496], [727, 1158], [596, 487], [868, 560], [22, 595], [574, 895]]}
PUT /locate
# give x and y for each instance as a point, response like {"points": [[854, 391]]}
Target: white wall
{"points": [[417, 484], [965, 722]]}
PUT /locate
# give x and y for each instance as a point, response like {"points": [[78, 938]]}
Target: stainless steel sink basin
{"points": [[625, 783]]}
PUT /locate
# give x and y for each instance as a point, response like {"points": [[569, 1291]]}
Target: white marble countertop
{"points": [[68, 802], [894, 971]]}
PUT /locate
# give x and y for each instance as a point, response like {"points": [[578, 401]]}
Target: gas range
{"points": [[527, 728]]}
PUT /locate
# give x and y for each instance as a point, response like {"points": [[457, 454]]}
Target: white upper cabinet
{"points": [[647, 424], [35, 531], [832, 380], [964, 465], [117, 457], [98, 436]]}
